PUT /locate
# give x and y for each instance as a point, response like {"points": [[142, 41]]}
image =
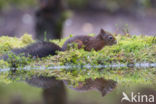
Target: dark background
{"points": [[85, 16]]}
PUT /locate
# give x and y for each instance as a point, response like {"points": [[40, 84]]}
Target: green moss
{"points": [[3, 64], [8, 43], [130, 49], [26, 39]]}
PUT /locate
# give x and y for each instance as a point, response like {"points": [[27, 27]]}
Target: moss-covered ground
{"points": [[130, 49]]}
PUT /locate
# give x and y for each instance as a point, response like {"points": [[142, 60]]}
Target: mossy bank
{"points": [[130, 49]]}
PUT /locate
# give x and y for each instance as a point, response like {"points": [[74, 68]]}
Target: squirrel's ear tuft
{"points": [[102, 31]]}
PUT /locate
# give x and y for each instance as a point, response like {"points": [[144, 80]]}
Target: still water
{"points": [[49, 90], [137, 65]]}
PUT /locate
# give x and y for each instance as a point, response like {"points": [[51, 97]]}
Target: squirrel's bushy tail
{"points": [[39, 49]]}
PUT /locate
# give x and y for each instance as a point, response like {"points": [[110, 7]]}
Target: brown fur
{"points": [[97, 43], [80, 43]]}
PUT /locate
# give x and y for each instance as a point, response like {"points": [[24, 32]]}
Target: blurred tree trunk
{"points": [[153, 3], [50, 18], [55, 94]]}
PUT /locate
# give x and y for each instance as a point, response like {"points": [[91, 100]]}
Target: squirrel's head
{"points": [[107, 37], [108, 87]]}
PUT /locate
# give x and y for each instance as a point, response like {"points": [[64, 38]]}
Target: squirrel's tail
{"points": [[38, 49]]}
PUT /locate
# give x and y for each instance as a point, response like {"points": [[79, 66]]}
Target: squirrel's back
{"points": [[83, 38], [97, 42]]}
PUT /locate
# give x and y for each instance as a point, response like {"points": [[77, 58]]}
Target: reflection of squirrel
{"points": [[54, 91], [102, 85], [97, 43]]}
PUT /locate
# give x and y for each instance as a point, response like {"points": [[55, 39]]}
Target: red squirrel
{"points": [[103, 39], [102, 85], [43, 49]]}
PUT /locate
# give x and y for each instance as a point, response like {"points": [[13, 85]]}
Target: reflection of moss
{"points": [[27, 93], [130, 49]]}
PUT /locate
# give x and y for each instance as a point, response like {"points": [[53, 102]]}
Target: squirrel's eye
{"points": [[110, 38]]}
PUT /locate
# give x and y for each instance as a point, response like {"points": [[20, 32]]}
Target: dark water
{"points": [[54, 91]]}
